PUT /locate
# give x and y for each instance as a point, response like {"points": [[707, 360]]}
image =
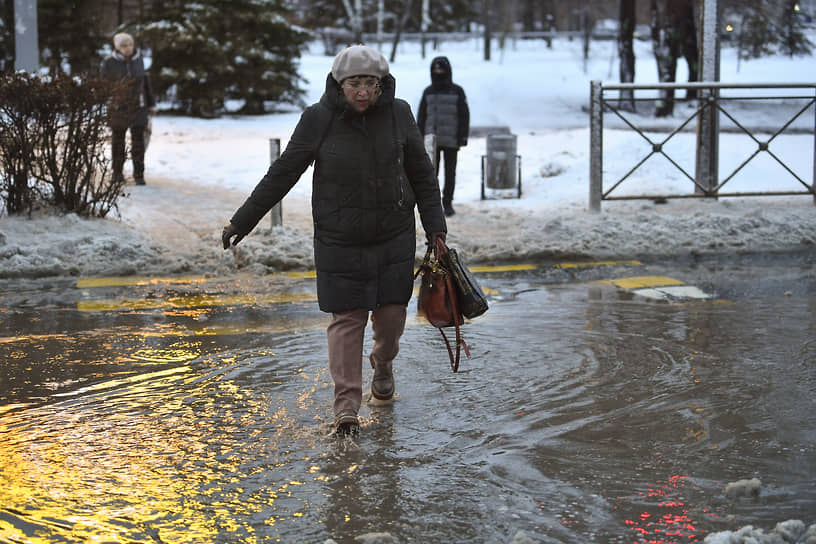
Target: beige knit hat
{"points": [[359, 60], [120, 38]]}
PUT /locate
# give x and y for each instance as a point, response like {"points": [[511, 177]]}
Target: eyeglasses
{"points": [[362, 84]]}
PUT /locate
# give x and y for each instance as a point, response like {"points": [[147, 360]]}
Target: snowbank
{"points": [[156, 237], [786, 532]]}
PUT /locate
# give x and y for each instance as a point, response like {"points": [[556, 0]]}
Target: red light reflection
{"points": [[667, 521]]}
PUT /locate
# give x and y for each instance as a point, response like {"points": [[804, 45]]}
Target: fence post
{"points": [[708, 125], [595, 145], [276, 213]]}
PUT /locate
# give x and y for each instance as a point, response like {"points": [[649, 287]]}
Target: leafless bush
{"points": [[53, 144]]}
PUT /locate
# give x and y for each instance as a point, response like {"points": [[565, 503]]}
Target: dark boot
{"points": [[382, 384], [346, 423]]}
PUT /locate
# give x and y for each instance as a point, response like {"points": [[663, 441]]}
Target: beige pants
{"points": [[345, 334]]}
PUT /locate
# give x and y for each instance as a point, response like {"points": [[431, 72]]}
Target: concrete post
{"points": [[276, 213], [26, 39], [595, 146], [708, 125]]}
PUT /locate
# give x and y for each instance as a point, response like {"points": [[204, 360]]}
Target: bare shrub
{"points": [[53, 148]]}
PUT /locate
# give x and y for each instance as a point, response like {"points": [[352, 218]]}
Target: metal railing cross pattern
{"points": [[709, 100]]}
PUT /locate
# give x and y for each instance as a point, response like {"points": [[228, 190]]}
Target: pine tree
{"points": [[69, 36], [6, 35], [792, 39], [209, 51]]}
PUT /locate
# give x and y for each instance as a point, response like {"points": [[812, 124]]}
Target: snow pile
{"points": [[482, 232], [743, 488], [786, 532]]}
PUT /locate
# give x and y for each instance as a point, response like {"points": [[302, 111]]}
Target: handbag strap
{"points": [[439, 249]]}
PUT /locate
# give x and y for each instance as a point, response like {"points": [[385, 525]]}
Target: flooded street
{"points": [[192, 410]]}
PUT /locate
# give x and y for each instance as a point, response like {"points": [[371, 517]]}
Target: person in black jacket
{"points": [[443, 111], [126, 63], [371, 171]]}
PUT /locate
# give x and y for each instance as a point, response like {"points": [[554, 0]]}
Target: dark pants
{"points": [[449, 154], [137, 150]]}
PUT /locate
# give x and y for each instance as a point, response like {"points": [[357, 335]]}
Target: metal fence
{"points": [[715, 101]]}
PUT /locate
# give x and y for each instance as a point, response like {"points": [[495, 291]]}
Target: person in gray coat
{"points": [[126, 63], [443, 111], [370, 172]]}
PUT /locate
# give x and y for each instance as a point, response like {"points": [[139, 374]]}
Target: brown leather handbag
{"points": [[438, 300]]}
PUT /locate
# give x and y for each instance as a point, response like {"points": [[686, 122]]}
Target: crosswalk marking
{"points": [[659, 288]]}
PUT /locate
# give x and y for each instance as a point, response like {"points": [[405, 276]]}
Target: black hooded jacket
{"points": [[371, 170], [443, 110]]}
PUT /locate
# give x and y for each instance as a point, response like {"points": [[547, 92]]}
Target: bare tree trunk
{"points": [[380, 17], [673, 34], [486, 22], [665, 51], [398, 31], [425, 21], [355, 19], [586, 25], [626, 52], [689, 37]]}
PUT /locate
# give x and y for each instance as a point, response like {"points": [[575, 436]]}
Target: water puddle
{"points": [[587, 413]]}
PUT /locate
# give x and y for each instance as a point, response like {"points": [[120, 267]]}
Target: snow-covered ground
{"points": [[200, 171]]}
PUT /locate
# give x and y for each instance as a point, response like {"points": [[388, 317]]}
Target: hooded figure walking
{"points": [[371, 171], [443, 111], [126, 63]]}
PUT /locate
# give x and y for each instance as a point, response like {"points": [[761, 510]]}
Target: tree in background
{"points": [[673, 34], [70, 37], [6, 36], [626, 52], [765, 27], [209, 51], [792, 39]]}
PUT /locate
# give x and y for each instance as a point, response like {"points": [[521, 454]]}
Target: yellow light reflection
{"points": [[192, 301], [74, 478], [170, 354], [125, 281]]}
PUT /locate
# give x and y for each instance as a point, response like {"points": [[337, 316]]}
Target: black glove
{"points": [[228, 232], [462, 142], [434, 235]]}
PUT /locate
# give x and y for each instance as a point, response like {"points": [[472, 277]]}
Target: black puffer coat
{"points": [[443, 109], [140, 97], [371, 170]]}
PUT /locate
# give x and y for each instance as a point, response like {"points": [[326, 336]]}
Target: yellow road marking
{"points": [[506, 268], [124, 281], [197, 300], [191, 301], [639, 282], [305, 275], [597, 263], [136, 280]]}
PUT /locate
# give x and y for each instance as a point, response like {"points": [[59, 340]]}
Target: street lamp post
{"points": [[26, 41]]}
